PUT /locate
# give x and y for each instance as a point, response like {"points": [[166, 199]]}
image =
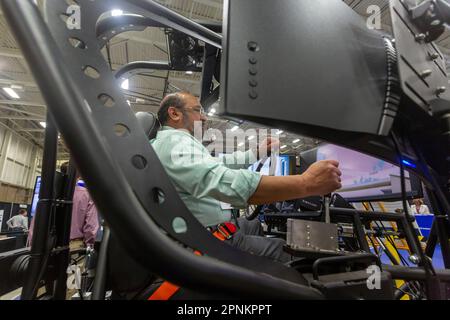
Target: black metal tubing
{"points": [[364, 215], [388, 253], [12, 278], [370, 215], [64, 214], [407, 222], [211, 25], [109, 27], [360, 233], [108, 184], [209, 66], [136, 66], [432, 237], [98, 292], [175, 20], [431, 241], [431, 279], [438, 231], [400, 292], [356, 219], [410, 237], [366, 257], [128, 22], [414, 273], [41, 236], [362, 239], [440, 203], [400, 218], [442, 231]]}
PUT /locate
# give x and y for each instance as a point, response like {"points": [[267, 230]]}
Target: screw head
{"points": [[414, 259], [440, 90], [253, 46], [435, 22], [253, 94], [253, 60], [434, 56], [253, 71], [420, 37], [426, 73]]}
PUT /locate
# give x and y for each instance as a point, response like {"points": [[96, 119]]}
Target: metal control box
{"points": [[312, 235]]}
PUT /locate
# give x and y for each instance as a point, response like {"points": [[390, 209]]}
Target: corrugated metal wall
{"points": [[20, 163]]}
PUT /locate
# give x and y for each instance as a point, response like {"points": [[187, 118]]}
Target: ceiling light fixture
{"points": [[125, 84], [116, 12], [11, 93]]}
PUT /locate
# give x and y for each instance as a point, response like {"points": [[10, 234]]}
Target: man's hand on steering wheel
{"points": [[268, 146]]}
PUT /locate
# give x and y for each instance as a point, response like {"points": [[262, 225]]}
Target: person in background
{"points": [[19, 222], [99, 234], [419, 207], [85, 222]]}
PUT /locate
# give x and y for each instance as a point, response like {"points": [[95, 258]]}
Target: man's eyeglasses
{"points": [[199, 110]]}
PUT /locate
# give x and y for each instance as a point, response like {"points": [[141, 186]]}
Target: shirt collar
{"points": [[167, 130], [163, 128], [81, 183]]}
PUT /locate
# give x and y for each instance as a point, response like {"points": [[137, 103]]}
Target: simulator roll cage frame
{"points": [[122, 171]]}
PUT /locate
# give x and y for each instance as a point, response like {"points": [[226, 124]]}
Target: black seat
{"points": [[149, 122], [125, 276]]}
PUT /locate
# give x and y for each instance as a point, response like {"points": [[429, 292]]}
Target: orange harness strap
{"points": [[167, 289], [164, 292]]}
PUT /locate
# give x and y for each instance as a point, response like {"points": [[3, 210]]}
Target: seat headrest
{"points": [[149, 122]]}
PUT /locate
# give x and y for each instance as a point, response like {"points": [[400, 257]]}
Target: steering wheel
{"points": [[253, 210]]}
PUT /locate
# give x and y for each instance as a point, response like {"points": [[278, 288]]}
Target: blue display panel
{"points": [[365, 178], [282, 166], [37, 187]]}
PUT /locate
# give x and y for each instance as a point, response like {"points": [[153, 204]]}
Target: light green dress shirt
{"points": [[203, 181]]}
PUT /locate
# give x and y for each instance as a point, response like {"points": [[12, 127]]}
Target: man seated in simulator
{"points": [[203, 182]]}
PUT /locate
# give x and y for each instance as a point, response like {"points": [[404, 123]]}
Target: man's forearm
{"points": [[272, 189], [321, 178]]}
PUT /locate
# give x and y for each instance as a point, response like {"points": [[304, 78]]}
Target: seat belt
{"points": [[167, 290]]}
